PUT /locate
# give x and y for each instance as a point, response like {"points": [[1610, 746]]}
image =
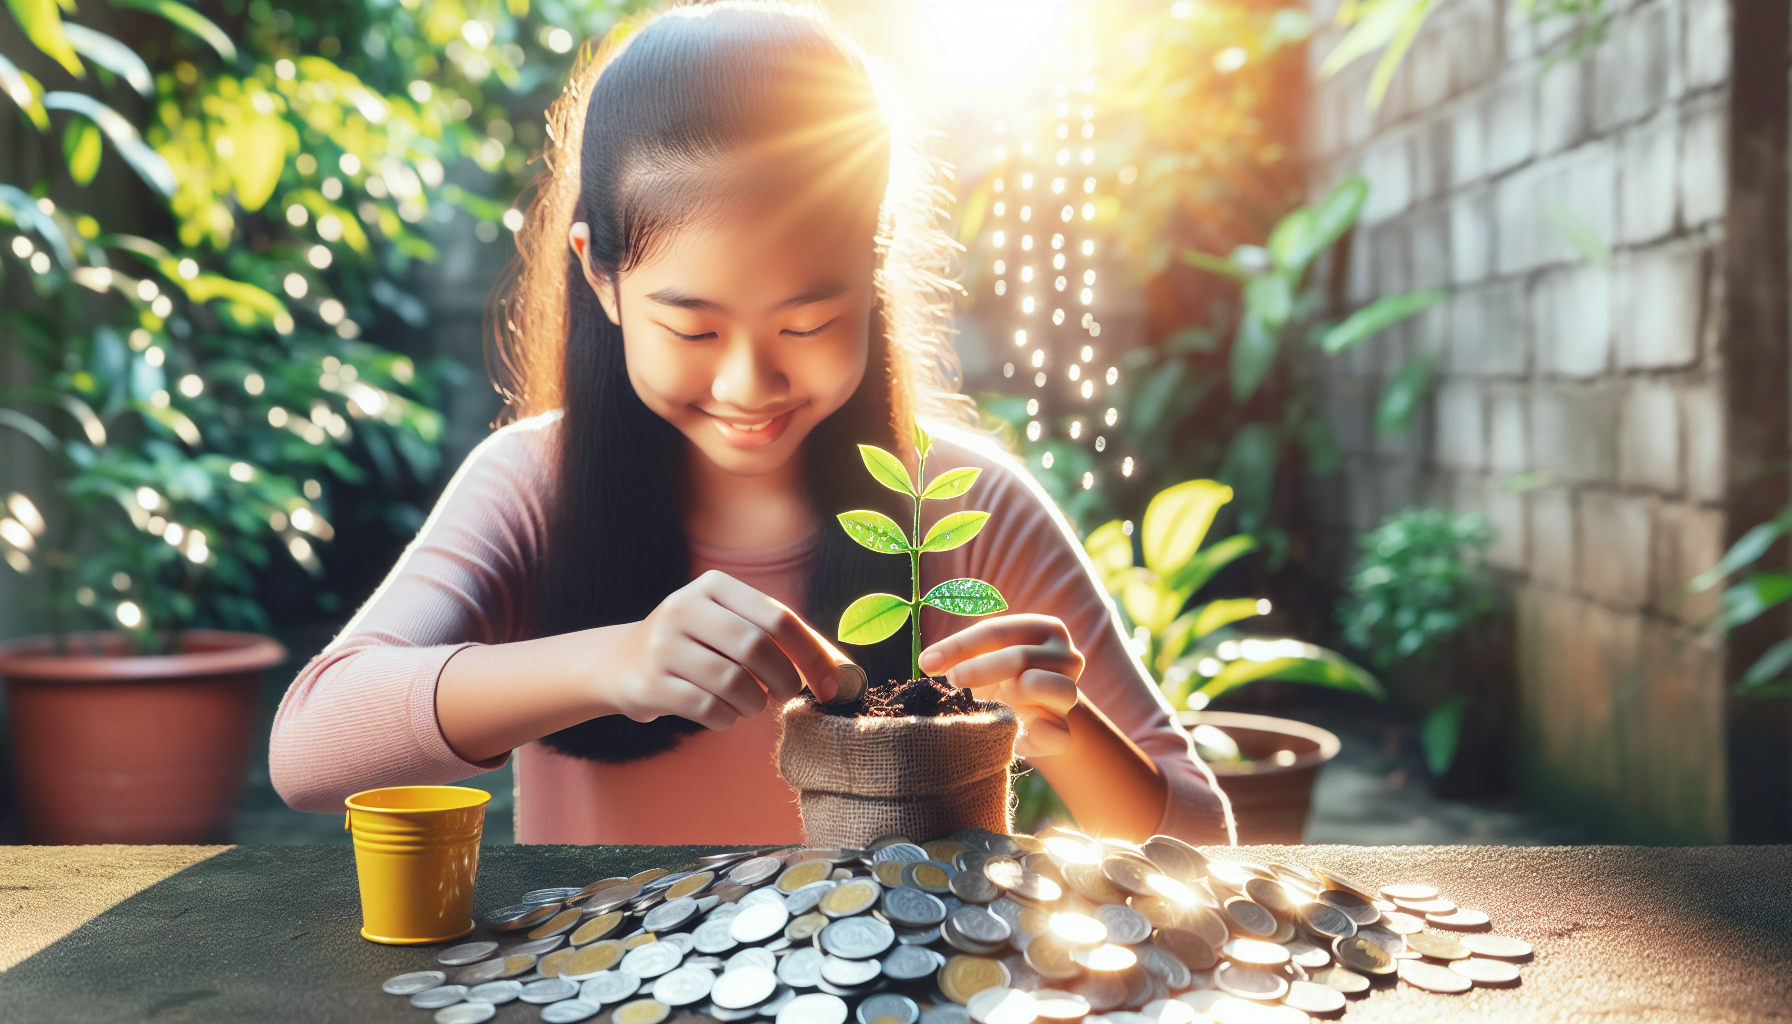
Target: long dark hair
{"points": [[664, 116]]}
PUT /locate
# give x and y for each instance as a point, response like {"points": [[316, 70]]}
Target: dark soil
{"points": [[902, 698]]}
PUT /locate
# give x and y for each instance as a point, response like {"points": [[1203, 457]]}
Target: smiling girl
{"points": [[727, 280]]}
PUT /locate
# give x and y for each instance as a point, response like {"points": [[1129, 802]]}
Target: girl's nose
{"points": [[746, 380]]}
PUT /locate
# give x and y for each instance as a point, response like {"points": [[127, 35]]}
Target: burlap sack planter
{"points": [[924, 778]]}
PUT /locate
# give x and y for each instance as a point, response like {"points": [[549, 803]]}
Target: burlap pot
{"points": [[924, 778]]}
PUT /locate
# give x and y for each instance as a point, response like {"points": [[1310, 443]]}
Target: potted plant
{"points": [[1265, 765], [195, 394], [1422, 605], [906, 757]]}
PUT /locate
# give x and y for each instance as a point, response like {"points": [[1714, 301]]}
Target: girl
{"points": [[726, 282]]}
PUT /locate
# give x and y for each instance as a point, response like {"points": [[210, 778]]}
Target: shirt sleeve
{"points": [[361, 714], [1032, 555]]}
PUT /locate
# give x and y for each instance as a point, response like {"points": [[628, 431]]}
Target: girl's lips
{"points": [[760, 434]]}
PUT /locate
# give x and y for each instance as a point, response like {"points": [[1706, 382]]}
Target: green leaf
{"points": [[22, 210], [951, 483], [966, 597], [1198, 570], [1215, 614], [923, 441], [31, 428], [1748, 547], [872, 618], [1250, 467], [148, 163], [1253, 353], [42, 22], [1212, 264], [1770, 666], [81, 149], [954, 530], [887, 468], [24, 91], [876, 531], [1336, 214], [189, 19], [1574, 229], [1148, 602], [263, 305], [1290, 238], [1176, 522], [1380, 22], [1441, 733], [1270, 297], [1749, 598], [1372, 319], [1110, 549], [1401, 399], [1396, 51], [112, 55], [1320, 666]]}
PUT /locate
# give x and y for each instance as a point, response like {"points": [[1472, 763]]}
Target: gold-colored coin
{"points": [[517, 963], [563, 921], [931, 878], [643, 877], [549, 966], [639, 940], [1359, 954], [888, 872], [1029, 844], [803, 928], [1437, 946], [850, 897], [1341, 978], [529, 920], [1035, 920], [1088, 880], [641, 1011], [806, 872], [599, 956], [965, 976], [690, 885], [598, 886], [841, 874], [600, 927], [944, 849], [1051, 958]]}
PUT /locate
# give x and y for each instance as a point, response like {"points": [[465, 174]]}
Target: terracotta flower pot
{"points": [[119, 748], [1269, 795]]}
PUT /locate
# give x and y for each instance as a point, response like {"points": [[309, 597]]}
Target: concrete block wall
{"points": [[1579, 406]]}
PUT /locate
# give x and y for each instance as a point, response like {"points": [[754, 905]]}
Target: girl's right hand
{"points": [[712, 652]]}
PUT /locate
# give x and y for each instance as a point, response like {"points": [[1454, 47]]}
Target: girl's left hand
{"points": [[1027, 662]]}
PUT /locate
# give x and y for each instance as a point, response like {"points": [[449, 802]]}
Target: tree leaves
{"points": [[951, 483], [1254, 351], [1317, 665], [24, 91], [1176, 521], [1369, 321], [876, 531], [887, 469], [1754, 595], [189, 19], [872, 618], [965, 597], [1110, 548], [112, 55], [1405, 390], [954, 530], [42, 23], [145, 161], [81, 149]]}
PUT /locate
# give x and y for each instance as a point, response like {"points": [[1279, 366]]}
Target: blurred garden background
{"points": [[1472, 312]]}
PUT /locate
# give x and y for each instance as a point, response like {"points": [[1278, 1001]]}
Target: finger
{"points": [[742, 643], [688, 700], [1051, 691], [999, 666], [716, 674], [1043, 736], [806, 650], [993, 634]]}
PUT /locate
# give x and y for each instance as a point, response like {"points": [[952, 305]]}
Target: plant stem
{"points": [[914, 571]]}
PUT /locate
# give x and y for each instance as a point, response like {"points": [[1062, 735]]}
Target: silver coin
{"points": [[548, 990], [857, 938], [1486, 972], [980, 924], [918, 936], [888, 1006], [768, 894], [715, 936], [495, 992], [670, 915], [749, 986], [651, 960], [814, 1008], [684, 986], [466, 953], [943, 1012], [1126, 926], [1172, 972], [755, 871], [1307, 955], [759, 922], [1312, 997], [1481, 945], [479, 973], [756, 957], [569, 1011], [1432, 977], [912, 908], [836, 970], [550, 895], [438, 997], [413, 983], [907, 963], [466, 1013], [537, 947], [1250, 983], [781, 997], [1359, 910], [685, 941], [802, 968], [900, 852], [609, 987]]}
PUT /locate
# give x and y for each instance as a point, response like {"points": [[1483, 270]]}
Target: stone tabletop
{"points": [[189, 934]]}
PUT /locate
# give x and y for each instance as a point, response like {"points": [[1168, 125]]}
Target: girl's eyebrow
{"points": [[817, 293]]}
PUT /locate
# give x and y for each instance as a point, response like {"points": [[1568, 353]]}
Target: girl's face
{"points": [[746, 330]]}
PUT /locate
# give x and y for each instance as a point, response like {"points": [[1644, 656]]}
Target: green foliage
{"points": [[1420, 582], [198, 394], [1752, 596], [1194, 654], [875, 617]]}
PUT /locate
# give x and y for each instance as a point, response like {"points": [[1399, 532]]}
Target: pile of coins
{"points": [[982, 927]]}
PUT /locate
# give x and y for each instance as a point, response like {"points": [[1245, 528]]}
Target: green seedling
{"points": [[875, 617]]}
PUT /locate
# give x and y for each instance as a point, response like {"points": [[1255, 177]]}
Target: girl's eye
{"points": [[691, 337], [810, 333]]}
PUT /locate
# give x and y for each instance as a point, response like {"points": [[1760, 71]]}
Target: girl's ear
{"points": [[601, 285]]}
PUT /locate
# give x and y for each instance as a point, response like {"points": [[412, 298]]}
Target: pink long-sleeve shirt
{"points": [[362, 713]]}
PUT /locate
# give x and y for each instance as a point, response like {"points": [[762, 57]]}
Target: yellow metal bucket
{"points": [[416, 854]]}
